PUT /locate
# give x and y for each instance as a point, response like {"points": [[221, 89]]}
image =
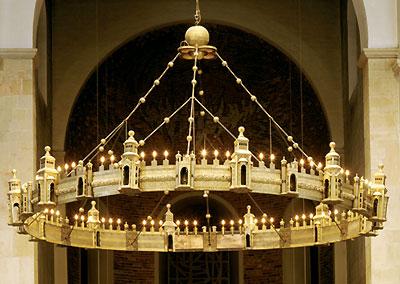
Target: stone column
{"points": [[18, 150], [382, 144]]}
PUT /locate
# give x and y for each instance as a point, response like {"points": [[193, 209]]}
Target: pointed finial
{"points": [[14, 173], [332, 145], [248, 208], [131, 133], [380, 167], [168, 207], [93, 204], [241, 130]]}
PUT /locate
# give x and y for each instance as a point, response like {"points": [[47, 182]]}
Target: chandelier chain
{"points": [[197, 15], [191, 117], [254, 99]]}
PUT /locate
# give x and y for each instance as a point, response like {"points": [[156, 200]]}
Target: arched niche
{"points": [[119, 22], [129, 71]]}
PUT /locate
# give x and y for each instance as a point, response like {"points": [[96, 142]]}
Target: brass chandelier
{"points": [[348, 207]]}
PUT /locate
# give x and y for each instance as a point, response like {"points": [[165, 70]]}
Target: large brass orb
{"points": [[197, 35]]}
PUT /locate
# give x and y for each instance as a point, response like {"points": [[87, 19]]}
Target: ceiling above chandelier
{"points": [[348, 207]]}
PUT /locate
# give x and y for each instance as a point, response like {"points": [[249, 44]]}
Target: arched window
{"points": [[326, 188], [248, 241], [292, 183], [15, 212], [243, 171], [38, 190], [126, 176], [98, 238], [184, 175], [375, 208], [315, 234], [170, 243], [52, 193], [80, 186]]}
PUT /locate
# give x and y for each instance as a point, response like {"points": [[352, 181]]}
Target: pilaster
{"points": [[382, 144], [18, 144]]}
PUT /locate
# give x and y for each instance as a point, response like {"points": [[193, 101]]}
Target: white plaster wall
{"points": [[382, 23], [16, 23]]}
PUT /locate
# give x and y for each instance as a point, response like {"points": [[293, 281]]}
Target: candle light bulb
{"points": [[82, 218], [311, 215], [186, 222], [52, 211], [166, 154], [178, 222], [302, 162], [216, 153], [110, 220], [341, 171], [112, 158], [303, 217], [232, 222], [154, 154], [142, 154], [296, 217], [58, 169], [102, 159], [261, 156], [144, 222], [271, 220], [336, 212], [227, 154], [57, 213], [204, 153], [195, 223], [118, 221], [76, 217], [73, 165], [272, 157], [103, 220], [160, 223], [263, 220], [223, 222], [347, 172], [66, 167], [319, 166], [240, 222]]}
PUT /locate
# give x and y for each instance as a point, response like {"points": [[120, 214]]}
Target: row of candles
{"points": [[149, 225], [302, 162]]}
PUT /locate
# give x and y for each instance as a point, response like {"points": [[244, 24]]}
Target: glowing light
{"points": [[66, 167], [52, 211], [263, 220], [186, 223], [58, 169], [336, 212], [118, 221], [110, 220], [102, 159], [271, 220], [112, 158], [152, 222], [57, 213], [311, 215], [82, 218], [154, 154], [303, 217], [255, 221], [144, 222], [296, 217], [312, 164], [160, 223], [73, 165], [216, 153], [142, 154], [227, 154], [223, 222], [240, 222], [261, 156], [166, 154], [204, 153], [194, 223], [302, 162], [341, 171], [46, 210], [319, 166], [347, 172], [272, 157], [103, 220], [232, 222], [178, 222], [76, 217]]}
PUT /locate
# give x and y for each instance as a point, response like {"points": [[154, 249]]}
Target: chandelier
{"points": [[348, 207]]}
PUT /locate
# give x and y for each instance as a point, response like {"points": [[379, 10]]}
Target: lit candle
{"points": [[227, 154], [195, 227], [110, 221], [223, 227], [166, 154], [118, 224], [103, 223], [232, 226]]}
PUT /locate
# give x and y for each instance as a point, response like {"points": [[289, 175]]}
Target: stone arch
{"points": [[359, 9], [257, 19]]}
